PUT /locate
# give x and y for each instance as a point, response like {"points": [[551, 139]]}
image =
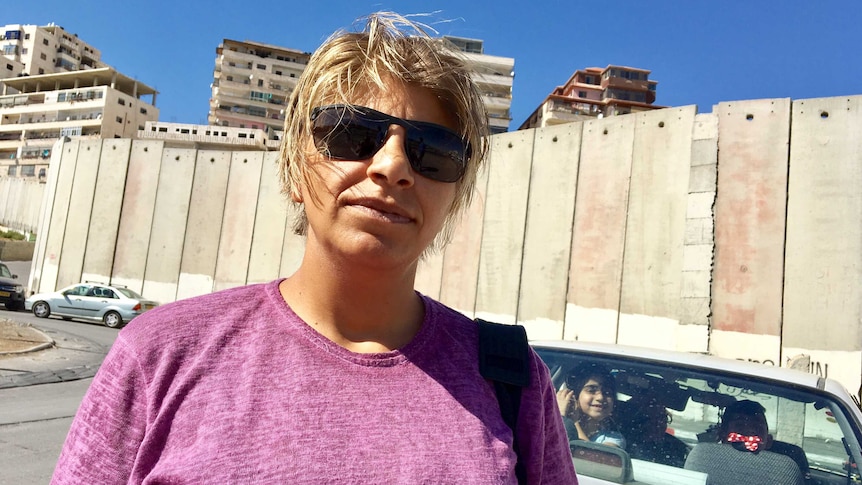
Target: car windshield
{"points": [[4, 271], [129, 293], [663, 412]]}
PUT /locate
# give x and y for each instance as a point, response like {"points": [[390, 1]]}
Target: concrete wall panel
{"points": [[823, 260], [750, 212], [107, 204], [47, 225], [548, 241], [165, 249], [205, 223], [270, 222], [136, 217], [599, 229], [238, 225], [78, 218], [503, 231], [823, 273], [655, 228], [461, 258]]}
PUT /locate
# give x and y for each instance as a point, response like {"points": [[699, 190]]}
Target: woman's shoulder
{"points": [[190, 317]]}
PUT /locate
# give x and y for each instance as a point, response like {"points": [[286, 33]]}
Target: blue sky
{"points": [[700, 52]]}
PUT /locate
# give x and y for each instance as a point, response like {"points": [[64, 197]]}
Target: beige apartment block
{"points": [[208, 137], [37, 110], [34, 50], [595, 93], [252, 83]]}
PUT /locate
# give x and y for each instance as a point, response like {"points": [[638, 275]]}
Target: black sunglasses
{"points": [[349, 132]]}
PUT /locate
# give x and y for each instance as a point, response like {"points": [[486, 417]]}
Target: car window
{"points": [[664, 412], [4, 271], [78, 290]]}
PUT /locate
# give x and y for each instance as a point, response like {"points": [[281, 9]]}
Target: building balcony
{"points": [[496, 103], [492, 79]]}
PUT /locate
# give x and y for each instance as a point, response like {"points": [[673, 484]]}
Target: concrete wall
{"points": [[737, 232]]}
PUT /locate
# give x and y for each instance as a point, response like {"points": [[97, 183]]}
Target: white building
{"points": [[35, 111], [34, 50], [494, 75]]}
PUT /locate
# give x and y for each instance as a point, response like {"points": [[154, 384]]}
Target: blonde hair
{"points": [[389, 49]]}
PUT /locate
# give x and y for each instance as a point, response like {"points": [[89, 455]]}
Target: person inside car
{"points": [[644, 420], [342, 372], [586, 402], [744, 425]]}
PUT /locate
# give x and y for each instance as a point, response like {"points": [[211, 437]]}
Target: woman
{"points": [[342, 372], [586, 402]]}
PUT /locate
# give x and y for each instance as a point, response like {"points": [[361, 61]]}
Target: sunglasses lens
{"points": [[338, 133], [436, 154], [433, 151]]}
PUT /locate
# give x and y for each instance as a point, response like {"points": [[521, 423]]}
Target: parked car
{"points": [[114, 305], [812, 420], [11, 291]]}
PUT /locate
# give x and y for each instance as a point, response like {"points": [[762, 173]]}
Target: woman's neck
{"points": [[363, 309]]}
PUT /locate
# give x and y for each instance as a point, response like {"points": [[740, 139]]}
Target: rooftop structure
{"points": [[34, 50]]}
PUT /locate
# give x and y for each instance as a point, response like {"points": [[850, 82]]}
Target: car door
{"points": [[72, 302], [96, 299]]}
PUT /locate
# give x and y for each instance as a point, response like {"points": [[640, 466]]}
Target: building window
{"points": [[184, 131], [11, 171], [8, 67], [582, 94], [119, 119], [43, 56], [143, 111], [45, 41], [163, 129], [28, 170], [26, 36], [121, 101], [229, 78], [41, 71], [261, 66], [260, 83]]}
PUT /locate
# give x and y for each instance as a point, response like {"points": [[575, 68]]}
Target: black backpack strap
{"points": [[504, 359]]}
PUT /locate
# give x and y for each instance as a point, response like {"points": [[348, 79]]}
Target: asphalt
{"points": [[30, 355]]}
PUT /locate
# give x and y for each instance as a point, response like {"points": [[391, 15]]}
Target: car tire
{"points": [[113, 320], [41, 309]]}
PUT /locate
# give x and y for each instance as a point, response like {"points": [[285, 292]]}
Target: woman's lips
{"points": [[381, 211]]}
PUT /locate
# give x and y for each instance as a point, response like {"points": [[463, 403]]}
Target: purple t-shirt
{"points": [[233, 387]]}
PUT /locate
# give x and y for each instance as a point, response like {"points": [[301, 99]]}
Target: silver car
{"points": [[113, 305]]}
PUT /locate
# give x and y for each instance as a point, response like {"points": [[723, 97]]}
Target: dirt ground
{"points": [[16, 337]]}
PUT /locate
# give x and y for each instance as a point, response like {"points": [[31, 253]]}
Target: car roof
{"points": [[695, 360]]}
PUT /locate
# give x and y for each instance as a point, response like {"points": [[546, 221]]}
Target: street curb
{"points": [[46, 341]]}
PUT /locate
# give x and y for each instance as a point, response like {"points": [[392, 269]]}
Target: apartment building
{"points": [[595, 93], [35, 111], [208, 136], [494, 75], [252, 83], [34, 50]]}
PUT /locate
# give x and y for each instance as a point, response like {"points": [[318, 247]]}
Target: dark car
{"points": [[11, 291]]}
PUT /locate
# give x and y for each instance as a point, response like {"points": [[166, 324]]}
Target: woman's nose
{"points": [[390, 164]]}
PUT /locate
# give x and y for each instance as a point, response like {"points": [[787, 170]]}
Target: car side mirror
{"points": [[601, 461], [14, 277]]}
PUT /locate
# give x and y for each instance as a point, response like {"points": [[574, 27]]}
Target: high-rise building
{"points": [[494, 76], [252, 83], [56, 85], [595, 93], [34, 50]]}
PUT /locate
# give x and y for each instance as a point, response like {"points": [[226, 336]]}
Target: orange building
{"points": [[594, 93]]}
